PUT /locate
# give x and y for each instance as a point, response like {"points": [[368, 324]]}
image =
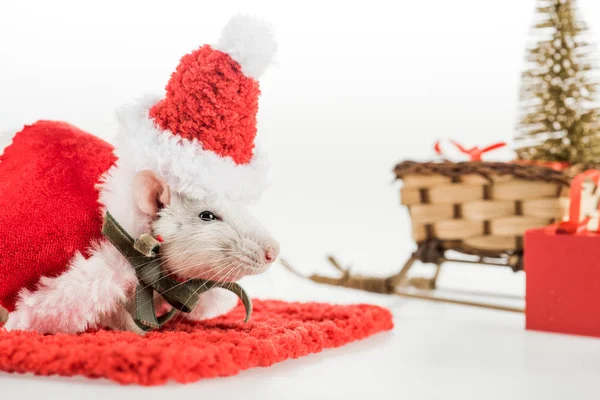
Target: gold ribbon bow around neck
{"points": [[143, 255]]}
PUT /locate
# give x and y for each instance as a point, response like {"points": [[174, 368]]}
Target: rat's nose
{"points": [[271, 254]]}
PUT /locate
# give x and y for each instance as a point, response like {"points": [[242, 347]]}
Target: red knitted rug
{"points": [[187, 352]]}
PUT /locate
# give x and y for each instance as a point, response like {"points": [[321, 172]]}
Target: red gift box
{"points": [[562, 264]]}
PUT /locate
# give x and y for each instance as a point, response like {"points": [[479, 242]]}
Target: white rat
{"points": [[208, 239], [186, 166]]}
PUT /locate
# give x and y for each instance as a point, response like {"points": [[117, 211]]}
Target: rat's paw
{"points": [[121, 320], [213, 303], [3, 315]]}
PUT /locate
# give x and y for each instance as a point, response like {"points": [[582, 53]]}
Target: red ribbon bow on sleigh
{"points": [[474, 153]]}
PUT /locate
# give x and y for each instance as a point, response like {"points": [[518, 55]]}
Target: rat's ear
{"points": [[150, 192]]}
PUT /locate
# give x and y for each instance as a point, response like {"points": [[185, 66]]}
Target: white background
{"points": [[357, 87]]}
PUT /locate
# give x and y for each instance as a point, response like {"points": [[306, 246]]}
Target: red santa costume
{"points": [[56, 272]]}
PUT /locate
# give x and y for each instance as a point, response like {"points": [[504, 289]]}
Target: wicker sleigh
{"points": [[480, 209]]}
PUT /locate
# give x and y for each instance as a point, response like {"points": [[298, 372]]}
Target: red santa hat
{"points": [[200, 137]]}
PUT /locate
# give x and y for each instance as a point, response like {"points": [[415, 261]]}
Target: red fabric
{"points": [[187, 352], [563, 282], [48, 203], [210, 99]]}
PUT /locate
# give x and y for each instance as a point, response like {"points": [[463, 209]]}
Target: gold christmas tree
{"points": [[559, 121]]}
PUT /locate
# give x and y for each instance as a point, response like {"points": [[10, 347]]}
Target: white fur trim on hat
{"points": [[185, 166], [250, 42]]}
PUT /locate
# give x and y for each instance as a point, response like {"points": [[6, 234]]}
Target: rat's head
{"points": [[209, 238]]}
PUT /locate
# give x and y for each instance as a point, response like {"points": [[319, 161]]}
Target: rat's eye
{"points": [[207, 216]]}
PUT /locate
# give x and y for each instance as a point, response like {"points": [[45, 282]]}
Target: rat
{"points": [[183, 168], [211, 239]]}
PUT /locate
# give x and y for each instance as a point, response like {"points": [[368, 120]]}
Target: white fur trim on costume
{"points": [[250, 42], [90, 290], [187, 168]]}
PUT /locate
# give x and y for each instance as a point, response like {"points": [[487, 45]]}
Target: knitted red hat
{"points": [[200, 136]]}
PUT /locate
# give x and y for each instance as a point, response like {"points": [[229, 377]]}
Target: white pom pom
{"points": [[249, 41]]}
